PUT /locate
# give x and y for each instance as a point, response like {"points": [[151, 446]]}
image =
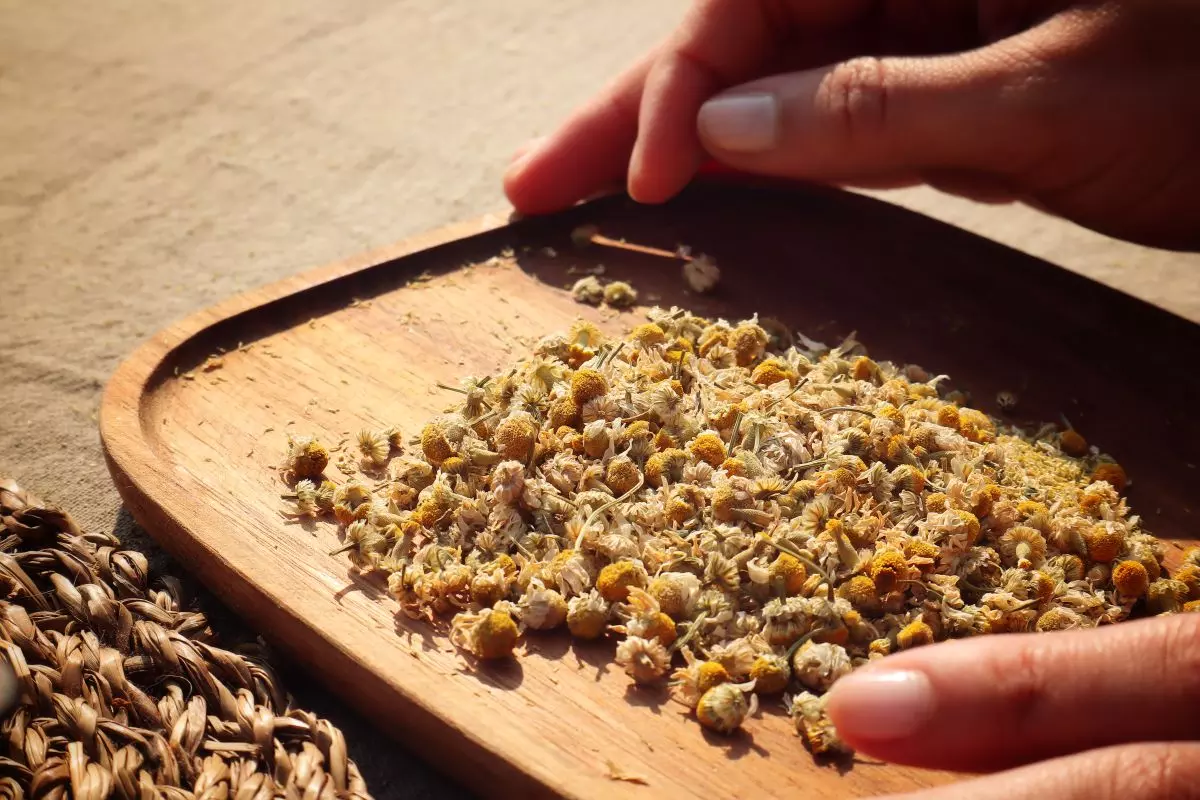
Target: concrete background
{"points": [[156, 157]]}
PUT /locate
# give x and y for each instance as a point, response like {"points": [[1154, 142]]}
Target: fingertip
{"points": [[872, 707], [667, 153], [517, 190], [588, 153], [646, 184], [545, 176], [519, 185], [526, 149]]}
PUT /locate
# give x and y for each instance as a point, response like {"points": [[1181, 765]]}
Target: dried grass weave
{"points": [[122, 693]]}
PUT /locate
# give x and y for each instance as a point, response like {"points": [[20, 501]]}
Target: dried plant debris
{"points": [[701, 274], [747, 513], [616, 294], [122, 691]]}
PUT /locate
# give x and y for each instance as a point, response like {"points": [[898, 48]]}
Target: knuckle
{"points": [[855, 94], [1181, 654], [1022, 684], [1153, 770]]}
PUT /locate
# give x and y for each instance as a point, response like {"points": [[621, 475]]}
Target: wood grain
{"points": [[361, 343]]}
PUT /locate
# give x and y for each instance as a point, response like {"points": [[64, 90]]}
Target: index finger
{"points": [[983, 704], [720, 43], [586, 154]]}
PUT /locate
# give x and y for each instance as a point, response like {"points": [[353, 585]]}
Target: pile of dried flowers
{"points": [[747, 514]]}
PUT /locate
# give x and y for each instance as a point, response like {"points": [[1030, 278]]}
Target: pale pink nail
{"points": [[740, 123], [881, 704]]}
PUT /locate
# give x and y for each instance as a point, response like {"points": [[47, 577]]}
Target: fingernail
{"points": [[740, 123], [524, 152], [881, 704]]}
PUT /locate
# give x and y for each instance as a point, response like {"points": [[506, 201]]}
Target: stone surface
{"points": [[158, 157]]}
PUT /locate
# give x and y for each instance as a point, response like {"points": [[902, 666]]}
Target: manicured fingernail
{"points": [[881, 704], [740, 123]]}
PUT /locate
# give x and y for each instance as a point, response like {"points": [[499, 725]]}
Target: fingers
{"points": [[990, 703], [587, 154], [720, 43], [980, 187], [977, 111], [1131, 772]]}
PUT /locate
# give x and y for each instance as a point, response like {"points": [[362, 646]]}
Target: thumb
{"points": [[983, 704], [880, 116]]}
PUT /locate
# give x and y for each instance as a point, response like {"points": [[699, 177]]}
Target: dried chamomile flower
{"points": [[365, 543], [808, 714], [787, 574], [587, 384], [487, 634], [375, 446], [1104, 542], [724, 708], [434, 445], [1189, 576], [589, 290], [675, 592], [701, 273], [665, 466], [644, 660], [861, 593], [306, 499], [818, 666], [914, 634], [564, 413], [587, 615], [644, 619], [616, 579], [648, 335], [1130, 579], [1111, 473], [773, 371], [540, 608], [1165, 596], [697, 677], [306, 457], [737, 656], [351, 501], [507, 481], [770, 673], [515, 437], [1061, 619], [888, 568], [489, 587], [596, 438], [620, 294], [785, 620], [748, 342], [1023, 546], [1072, 443], [324, 496], [782, 509]]}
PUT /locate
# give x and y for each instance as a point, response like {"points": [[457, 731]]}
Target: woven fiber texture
{"points": [[122, 693]]}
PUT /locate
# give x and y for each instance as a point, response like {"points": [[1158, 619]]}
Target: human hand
{"points": [[1088, 110], [1106, 713]]}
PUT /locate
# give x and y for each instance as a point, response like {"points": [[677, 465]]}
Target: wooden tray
{"points": [[363, 342]]}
